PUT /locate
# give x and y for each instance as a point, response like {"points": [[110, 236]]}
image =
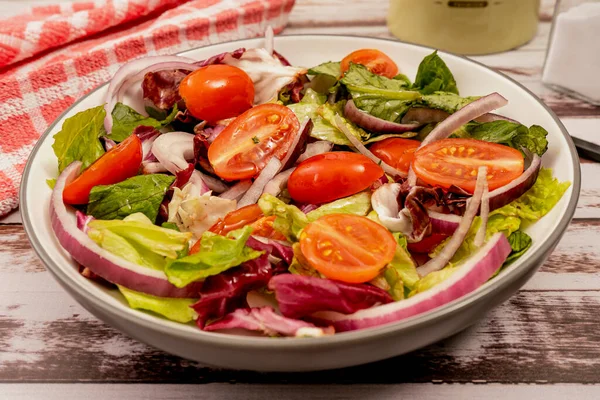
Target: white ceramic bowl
{"points": [[344, 349]]}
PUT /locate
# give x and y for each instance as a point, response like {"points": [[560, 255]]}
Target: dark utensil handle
{"points": [[586, 149]]}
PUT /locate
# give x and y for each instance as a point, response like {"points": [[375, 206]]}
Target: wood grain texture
{"points": [[297, 392]]}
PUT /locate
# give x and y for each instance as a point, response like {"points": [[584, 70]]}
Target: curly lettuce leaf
{"points": [[142, 193], [519, 242], [434, 75], [138, 240], [358, 204], [381, 97], [177, 310], [217, 254], [79, 138], [290, 220], [126, 119], [331, 68], [511, 134], [401, 273]]}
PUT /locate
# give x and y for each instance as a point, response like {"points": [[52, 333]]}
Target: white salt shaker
{"points": [[573, 59]]}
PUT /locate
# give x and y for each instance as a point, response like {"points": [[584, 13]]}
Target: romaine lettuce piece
{"points": [[358, 204], [126, 119], [177, 310], [290, 220], [217, 254]]}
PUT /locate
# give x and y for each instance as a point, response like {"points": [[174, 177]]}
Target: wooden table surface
{"points": [[542, 343]]}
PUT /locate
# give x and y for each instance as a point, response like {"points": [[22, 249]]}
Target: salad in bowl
{"points": [[242, 192]]}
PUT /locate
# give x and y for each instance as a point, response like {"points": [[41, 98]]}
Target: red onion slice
{"points": [[491, 117], [131, 68], [469, 112], [153, 168], [439, 262], [443, 223], [101, 262], [315, 148], [424, 115], [374, 124], [279, 182], [237, 190], [507, 193], [364, 151], [484, 212], [253, 194], [297, 144], [476, 271], [173, 150]]}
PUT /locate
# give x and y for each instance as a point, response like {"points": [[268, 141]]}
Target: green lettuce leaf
{"points": [[520, 242], [178, 310], [126, 119], [79, 138], [329, 112], [331, 68], [138, 240], [300, 265], [537, 201], [217, 254], [446, 101], [290, 220], [433, 75], [358, 204], [401, 272], [432, 279], [142, 193], [403, 78], [381, 97], [511, 134]]}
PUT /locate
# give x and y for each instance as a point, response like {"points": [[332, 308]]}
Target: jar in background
{"points": [[467, 26]]}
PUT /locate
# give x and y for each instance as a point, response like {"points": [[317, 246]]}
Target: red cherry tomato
{"points": [[427, 244], [396, 152], [347, 247], [217, 92], [247, 144], [450, 162], [331, 176], [119, 163], [376, 61]]}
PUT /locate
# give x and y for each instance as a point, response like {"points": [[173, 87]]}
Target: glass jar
{"points": [[573, 59], [466, 27]]}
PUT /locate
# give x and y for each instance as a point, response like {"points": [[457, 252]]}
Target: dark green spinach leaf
{"points": [[126, 119], [433, 76]]}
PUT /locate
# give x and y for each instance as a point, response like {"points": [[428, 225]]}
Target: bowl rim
{"points": [[147, 321]]}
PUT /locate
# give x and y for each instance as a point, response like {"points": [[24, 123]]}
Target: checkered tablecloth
{"points": [[52, 55]]}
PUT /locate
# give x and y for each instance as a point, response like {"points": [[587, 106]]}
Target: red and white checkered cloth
{"points": [[52, 55]]}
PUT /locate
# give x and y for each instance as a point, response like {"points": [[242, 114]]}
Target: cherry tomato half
{"points": [[247, 144], [396, 152], [119, 163], [347, 247], [450, 162], [331, 176], [375, 61], [217, 92]]}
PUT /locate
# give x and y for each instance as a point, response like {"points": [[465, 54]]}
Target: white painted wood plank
{"points": [[424, 391]]}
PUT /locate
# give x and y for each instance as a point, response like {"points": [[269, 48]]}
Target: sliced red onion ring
{"points": [[101, 262], [269, 40], [507, 193], [173, 150], [253, 194], [484, 212], [424, 115], [153, 168], [469, 112], [443, 223], [279, 182], [236, 191], [442, 259], [315, 148], [364, 151], [297, 144], [129, 69], [214, 184], [476, 271], [375, 124]]}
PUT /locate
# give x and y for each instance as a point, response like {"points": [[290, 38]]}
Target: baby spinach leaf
{"points": [[434, 76], [126, 119]]}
